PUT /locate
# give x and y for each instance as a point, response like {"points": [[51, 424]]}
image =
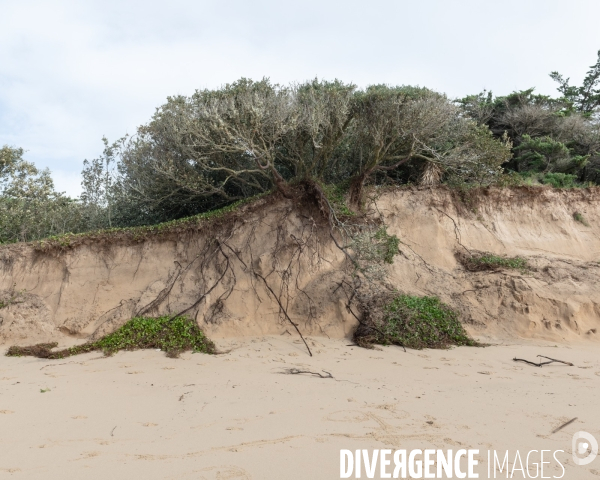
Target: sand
{"points": [[239, 416]]}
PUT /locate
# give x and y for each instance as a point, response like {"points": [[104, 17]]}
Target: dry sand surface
{"points": [[238, 416]]}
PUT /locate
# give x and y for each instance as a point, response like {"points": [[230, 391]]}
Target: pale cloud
{"points": [[73, 71]]}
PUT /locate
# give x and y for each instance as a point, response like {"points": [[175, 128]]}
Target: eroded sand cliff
{"points": [[232, 275]]}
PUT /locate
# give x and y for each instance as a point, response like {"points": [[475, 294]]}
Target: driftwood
{"points": [[295, 371], [540, 363], [564, 425]]}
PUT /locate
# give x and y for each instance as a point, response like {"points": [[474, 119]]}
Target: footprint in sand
{"points": [[6, 412], [79, 417], [150, 424]]}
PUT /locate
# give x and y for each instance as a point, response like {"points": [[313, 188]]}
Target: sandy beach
{"points": [[239, 415]]}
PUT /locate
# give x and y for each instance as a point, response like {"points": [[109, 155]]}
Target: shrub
{"points": [[559, 180], [172, 335], [412, 322]]}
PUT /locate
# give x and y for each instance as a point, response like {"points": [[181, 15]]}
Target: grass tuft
{"points": [[412, 322], [173, 336], [578, 217], [489, 261]]}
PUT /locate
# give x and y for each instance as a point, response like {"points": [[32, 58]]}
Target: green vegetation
{"points": [[386, 245], [489, 261], [205, 152], [413, 322], [44, 390], [548, 135], [171, 335], [337, 197], [578, 217], [137, 234], [559, 180]]}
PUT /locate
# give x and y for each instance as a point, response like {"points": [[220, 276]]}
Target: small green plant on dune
{"points": [[171, 335], [337, 197], [413, 322], [489, 261], [578, 217]]}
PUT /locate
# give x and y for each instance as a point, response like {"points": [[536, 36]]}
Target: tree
{"points": [[586, 98], [30, 208], [99, 182]]}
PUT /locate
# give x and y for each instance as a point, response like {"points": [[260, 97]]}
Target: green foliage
{"points": [[414, 322], [578, 217], [171, 335], [586, 98], [489, 261], [559, 180], [138, 234], [546, 154], [30, 208], [337, 196], [372, 249], [387, 245], [548, 134]]}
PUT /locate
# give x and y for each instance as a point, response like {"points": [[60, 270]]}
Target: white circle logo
{"points": [[585, 448]]}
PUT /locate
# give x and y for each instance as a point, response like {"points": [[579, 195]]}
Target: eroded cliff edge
{"points": [[235, 274]]}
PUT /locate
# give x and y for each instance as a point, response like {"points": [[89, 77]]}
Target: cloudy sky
{"points": [[73, 71]]}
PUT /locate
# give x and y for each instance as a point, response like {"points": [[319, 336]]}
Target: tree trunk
{"points": [[280, 183], [356, 189]]}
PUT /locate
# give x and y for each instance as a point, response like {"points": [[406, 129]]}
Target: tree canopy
{"points": [[217, 146]]}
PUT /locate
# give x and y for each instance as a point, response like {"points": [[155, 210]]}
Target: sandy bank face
{"points": [[239, 416], [92, 289]]}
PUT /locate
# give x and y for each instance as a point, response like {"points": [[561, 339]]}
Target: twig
{"points": [[540, 364], [564, 424], [554, 360], [112, 431], [526, 361], [295, 371]]}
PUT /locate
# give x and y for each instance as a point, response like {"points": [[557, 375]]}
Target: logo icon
{"points": [[585, 448]]}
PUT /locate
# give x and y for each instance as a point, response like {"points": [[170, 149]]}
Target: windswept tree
{"points": [[324, 116], [586, 98], [217, 146], [397, 125]]}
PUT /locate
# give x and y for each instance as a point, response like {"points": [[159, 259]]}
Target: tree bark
{"points": [[356, 189]]}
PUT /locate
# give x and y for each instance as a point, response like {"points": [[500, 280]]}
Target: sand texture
{"points": [[239, 416]]}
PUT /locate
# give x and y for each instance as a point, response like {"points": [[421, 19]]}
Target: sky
{"points": [[72, 72]]}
